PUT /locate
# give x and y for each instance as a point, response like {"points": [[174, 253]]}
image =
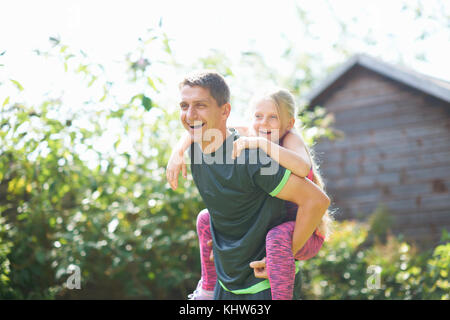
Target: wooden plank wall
{"points": [[396, 152]]}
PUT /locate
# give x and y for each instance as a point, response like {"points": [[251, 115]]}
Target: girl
{"points": [[273, 117]]}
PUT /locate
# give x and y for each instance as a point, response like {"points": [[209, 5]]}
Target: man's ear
{"points": [[226, 110]]}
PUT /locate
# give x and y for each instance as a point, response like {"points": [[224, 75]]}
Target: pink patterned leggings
{"points": [[280, 263]]}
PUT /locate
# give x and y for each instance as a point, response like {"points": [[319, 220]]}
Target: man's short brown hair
{"points": [[212, 81]]}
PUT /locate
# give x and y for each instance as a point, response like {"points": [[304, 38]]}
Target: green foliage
{"points": [[380, 222], [5, 248], [346, 268], [66, 199], [316, 123]]}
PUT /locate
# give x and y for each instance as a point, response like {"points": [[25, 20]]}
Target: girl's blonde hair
{"points": [[286, 108]]}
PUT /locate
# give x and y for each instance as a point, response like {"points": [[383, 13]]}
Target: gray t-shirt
{"points": [[241, 201]]}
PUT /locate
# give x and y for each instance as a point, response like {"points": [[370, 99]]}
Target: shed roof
{"points": [[432, 86]]}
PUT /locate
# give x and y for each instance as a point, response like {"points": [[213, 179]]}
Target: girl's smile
{"points": [[266, 120]]}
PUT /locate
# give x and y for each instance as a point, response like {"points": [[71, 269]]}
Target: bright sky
{"points": [[107, 30]]}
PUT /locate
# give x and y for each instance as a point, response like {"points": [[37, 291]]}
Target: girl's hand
{"points": [[175, 165], [245, 143]]}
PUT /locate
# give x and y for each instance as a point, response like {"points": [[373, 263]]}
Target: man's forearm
{"points": [[312, 204], [308, 219]]}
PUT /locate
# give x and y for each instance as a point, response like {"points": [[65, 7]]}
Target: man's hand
{"points": [[211, 255], [175, 165], [259, 268]]}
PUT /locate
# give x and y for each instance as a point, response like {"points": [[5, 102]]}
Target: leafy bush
{"points": [[346, 268], [68, 198], [5, 248]]}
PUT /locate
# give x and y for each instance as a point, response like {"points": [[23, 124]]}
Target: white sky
{"points": [[106, 30]]}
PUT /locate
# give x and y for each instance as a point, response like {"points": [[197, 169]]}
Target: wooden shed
{"points": [[396, 146]]}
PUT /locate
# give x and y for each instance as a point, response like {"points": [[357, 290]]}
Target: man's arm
{"points": [[312, 204]]}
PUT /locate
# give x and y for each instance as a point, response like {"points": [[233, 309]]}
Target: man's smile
{"points": [[197, 126]]}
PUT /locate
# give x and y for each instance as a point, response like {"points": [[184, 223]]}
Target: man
{"points": [[244, 201]]}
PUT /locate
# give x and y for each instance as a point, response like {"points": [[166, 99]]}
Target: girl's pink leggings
{"points": [[280, 262]]}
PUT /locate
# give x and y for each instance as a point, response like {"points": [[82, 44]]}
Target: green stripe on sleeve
{"points": [[283, 181]]}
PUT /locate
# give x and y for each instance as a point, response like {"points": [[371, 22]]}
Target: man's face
{"points": [[200, 112]]}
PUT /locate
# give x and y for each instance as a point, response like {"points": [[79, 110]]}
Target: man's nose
{"points": [[191, 113]]}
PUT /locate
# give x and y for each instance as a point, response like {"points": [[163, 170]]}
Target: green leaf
{"points": [[103, 97], [40, 256], [82, 68], [146, 102], [151, 84], [117, 114], [18, 85], [94, 78], [5, 102], [69, 56], [55, 40], [166, 44], [140, 96], [116, 144], [445, 235]]}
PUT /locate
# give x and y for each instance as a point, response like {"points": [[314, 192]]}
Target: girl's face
{"points": [[267, 122]]}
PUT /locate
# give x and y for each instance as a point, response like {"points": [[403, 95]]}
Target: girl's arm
{"points": [[292, 155], [176, 161], [184, 143]]}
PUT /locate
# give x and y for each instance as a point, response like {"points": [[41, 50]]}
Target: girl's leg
{"points": [[280, 263], [311, 247], [209, 275]]}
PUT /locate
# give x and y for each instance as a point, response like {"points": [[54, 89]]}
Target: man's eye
{"points": [[274, 117], [258, 116], [184, 106]]}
